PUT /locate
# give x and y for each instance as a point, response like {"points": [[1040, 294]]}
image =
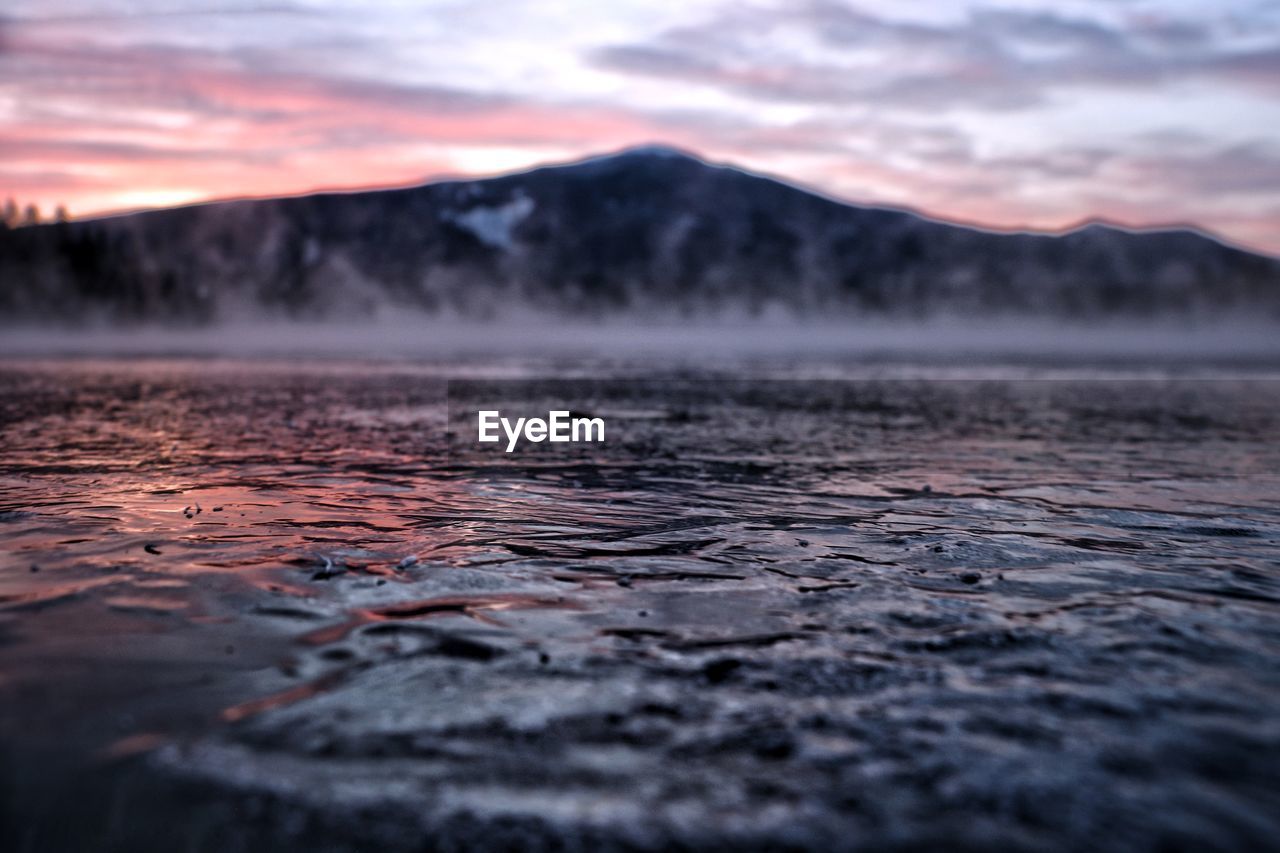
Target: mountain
{"points": [[648, 232]]}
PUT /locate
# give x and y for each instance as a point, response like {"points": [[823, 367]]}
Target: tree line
{"points": [[14, 215]]}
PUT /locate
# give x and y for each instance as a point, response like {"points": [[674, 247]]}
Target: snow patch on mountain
{"points": [[492, 224]]}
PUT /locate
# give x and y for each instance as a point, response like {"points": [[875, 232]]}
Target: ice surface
{"points": [[823, 608]]}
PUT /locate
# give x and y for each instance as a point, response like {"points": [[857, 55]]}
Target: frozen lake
{"points": [[821, 605]]}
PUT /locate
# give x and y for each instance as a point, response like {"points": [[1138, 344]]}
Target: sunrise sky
{"points": [[1030, 113]]}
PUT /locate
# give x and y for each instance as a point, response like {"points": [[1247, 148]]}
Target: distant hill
{"points": [[648, 232]]}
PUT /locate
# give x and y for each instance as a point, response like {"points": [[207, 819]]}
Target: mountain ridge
{"points": [[652, 230], [667, 150]]}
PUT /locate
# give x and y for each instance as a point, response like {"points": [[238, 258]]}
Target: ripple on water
{"points": [[1001, 613]]}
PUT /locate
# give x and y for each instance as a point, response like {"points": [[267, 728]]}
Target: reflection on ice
{"points": [[1022, 609]]}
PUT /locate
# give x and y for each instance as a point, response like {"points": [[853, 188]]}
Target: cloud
{"points": [[155, 118], [1257, 68], [1037, 113], [997, 59]]}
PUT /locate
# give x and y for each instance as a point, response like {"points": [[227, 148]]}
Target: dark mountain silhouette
{"points": [[650, 232]]}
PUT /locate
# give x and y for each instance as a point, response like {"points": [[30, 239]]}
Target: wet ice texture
{"points": [[828, 614]]}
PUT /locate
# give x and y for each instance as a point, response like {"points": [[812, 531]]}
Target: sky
{"points": [[1002, 113]]}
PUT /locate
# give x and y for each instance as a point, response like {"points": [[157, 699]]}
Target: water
{"points": [[265, 604]]}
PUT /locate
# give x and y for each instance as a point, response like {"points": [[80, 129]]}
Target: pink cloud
{"points": [[99, 126]]}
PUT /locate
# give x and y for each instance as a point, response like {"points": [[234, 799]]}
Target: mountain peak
{"points": [[652, 153], [656, 150]]}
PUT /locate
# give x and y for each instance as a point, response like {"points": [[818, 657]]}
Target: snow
{"points": [[492, 225]]}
